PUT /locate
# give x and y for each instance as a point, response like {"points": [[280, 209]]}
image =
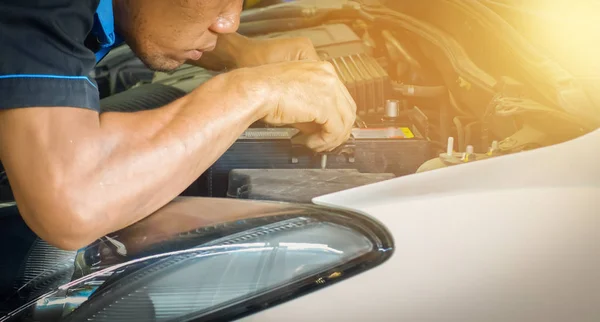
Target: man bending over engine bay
{"points": [[78, 174]]}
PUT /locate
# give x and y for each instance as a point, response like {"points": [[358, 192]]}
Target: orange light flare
{"points": [[569, 30]]}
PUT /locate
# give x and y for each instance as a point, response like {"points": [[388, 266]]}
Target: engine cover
{"points": [[373, 151], [330, 41], [298, 185]]}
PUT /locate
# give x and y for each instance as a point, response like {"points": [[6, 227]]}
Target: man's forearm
{"points": [[175, 144], [99, 177]]}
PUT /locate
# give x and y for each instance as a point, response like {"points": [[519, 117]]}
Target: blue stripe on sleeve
{"points": [[48, 76]]}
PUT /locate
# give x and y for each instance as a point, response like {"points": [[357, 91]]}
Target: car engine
{"points": [[429, 95], [389, 139], [424, 102]]}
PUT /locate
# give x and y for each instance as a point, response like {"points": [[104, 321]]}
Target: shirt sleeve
{"points": [[43, 58]]}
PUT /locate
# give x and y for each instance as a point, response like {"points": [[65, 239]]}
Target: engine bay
{"points": [[422, 104], [429, 95], [389, 139]]}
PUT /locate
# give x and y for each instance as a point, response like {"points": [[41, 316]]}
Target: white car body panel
{"points": [[516, 238]]}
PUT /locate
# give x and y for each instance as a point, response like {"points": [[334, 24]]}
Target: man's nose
{"points": [[226, 24]]}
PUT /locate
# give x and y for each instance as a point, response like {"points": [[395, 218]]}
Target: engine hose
{"points": [[460, 134], [488, 116], [420, 91], [469, 132], [389, 37], [458, 109], [444, 119], [450, 47]]}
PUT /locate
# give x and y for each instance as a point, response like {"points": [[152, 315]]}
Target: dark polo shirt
{"points": [[48, 49]]}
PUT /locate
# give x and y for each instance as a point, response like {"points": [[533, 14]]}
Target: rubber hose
{"points": [[444, 119], [460, 134], [401, 50], [469, 132], [421, 91]]}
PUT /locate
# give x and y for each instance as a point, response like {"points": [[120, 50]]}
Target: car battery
{"points": [[396, 150], [298, 186]]}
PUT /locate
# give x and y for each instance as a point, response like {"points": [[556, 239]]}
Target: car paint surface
{"points": [[515, 238]]}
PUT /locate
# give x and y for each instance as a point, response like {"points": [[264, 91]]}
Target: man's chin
{"points": [[161, 64]]}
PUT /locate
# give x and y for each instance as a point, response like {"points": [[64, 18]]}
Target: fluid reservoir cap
{"points": [[470, 150], [392, 108]]}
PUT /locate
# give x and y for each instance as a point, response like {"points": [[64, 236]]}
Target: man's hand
{"points": [[306, 94], [236, 51], [302, 91]]}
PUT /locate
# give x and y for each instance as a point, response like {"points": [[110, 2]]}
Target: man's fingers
{"points": [[319, 99], [323, 142], [316, 142], [308, 128], [313, 141], [350, 100], [338, 128], [333, 133], [347, 106]]}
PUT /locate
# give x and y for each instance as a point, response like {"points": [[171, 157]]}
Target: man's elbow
{"points": [[64, 242], [66, 223], [67, 240]]}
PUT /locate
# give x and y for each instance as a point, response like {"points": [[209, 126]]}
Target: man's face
{"points": [[165, 34]]}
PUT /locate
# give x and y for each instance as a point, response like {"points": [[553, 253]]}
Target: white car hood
{"points": [[515, 238]]}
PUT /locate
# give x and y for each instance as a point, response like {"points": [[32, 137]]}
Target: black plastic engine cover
{"points": [[298, 186], [397, 156]]}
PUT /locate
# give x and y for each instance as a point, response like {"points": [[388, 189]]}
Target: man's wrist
{"points": [[253, 97]]}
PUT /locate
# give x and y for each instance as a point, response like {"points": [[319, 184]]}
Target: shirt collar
{"points": [[104, 24], [104, 29]]}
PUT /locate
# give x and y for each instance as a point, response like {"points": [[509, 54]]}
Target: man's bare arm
{"points": [[77, 176], [93, 174]]}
